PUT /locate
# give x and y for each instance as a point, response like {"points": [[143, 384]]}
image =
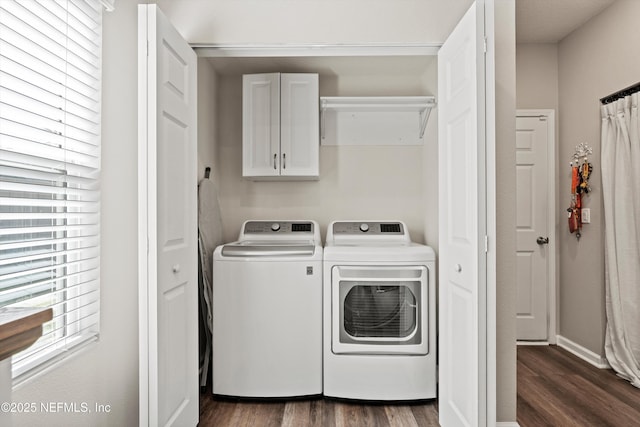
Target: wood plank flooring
{"points": [[314, 413], [555, 388]]}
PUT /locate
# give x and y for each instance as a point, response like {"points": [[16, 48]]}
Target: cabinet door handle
{"points": [[284, 161], [275, 157]]}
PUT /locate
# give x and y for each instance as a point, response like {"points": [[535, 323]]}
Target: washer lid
{"points": [[268, 249]]}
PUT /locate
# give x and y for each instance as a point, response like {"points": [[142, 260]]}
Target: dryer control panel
{"points": [[368, 227], [368, 233]]}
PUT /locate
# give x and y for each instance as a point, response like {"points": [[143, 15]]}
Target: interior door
{"points": [[532, 228], [462, 224], [167, 224]]}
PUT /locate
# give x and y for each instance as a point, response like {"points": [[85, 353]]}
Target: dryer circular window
{"points": [[380, 309]]}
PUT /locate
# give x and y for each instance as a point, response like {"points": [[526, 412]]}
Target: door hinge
{"points": [[485, 45], [486, 244]]}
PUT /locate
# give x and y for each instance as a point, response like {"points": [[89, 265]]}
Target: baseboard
{"points": [[507, 424], [532, 343], [583, 353]]}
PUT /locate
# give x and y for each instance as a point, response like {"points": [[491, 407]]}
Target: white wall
{"points": [[107, 372], [356, 182], [505, 128], [537, 76], [599, 58], [207, 117]]}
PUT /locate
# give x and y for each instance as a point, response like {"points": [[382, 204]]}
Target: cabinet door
{"points": [[299, 125], [261, 124]]}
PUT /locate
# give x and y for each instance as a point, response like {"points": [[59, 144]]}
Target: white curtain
{"points": [[621, 194]]}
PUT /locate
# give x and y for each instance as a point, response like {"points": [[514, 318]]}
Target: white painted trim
{"points": [[532, 343], [212, 50], [507, 424], [552, 272], [143, 225], [583, 353], [491, 369]]}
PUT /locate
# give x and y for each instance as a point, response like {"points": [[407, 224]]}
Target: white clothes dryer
{"points": [[379, 313], [267, 311]]}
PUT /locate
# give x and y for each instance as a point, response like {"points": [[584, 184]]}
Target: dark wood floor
{"points": [[317, 412], [555, 388]]}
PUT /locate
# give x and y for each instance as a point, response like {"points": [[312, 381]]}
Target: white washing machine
{"points": [[267, 311], [379, 313]]}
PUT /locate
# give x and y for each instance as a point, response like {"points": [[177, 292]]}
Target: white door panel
{"points": [[300, 126], [168, 184], [261, 124], [462, 220], [531, 220]]}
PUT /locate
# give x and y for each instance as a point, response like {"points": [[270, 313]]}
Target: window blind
{"points": [[50, 87]]}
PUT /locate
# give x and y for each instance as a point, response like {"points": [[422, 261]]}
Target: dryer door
{"points": [[380, 310]]}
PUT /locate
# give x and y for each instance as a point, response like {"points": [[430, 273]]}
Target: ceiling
{"points": [[537, 21], [549, 21]]}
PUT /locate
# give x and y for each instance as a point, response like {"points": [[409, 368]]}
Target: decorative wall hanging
{"points": [[581, 171]]}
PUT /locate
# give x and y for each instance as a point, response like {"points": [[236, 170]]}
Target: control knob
{"points": [[364, 227], [275, 226]]}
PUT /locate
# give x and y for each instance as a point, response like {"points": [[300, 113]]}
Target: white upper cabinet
{"points": [[280, 126]]}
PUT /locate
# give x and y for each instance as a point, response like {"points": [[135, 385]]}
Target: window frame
{"points": [[56, 153]]}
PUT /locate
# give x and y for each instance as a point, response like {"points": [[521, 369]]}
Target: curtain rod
{"points": [[621, 93]]}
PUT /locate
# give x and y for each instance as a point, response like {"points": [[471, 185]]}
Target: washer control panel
{"points": [[280, 227], [368, 227]]}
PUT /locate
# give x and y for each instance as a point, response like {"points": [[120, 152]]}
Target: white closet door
{"points": [[462, 224], [261, 125], [167, 224], [300, 125]]}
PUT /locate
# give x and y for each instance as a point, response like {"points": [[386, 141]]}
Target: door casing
{"points": [[266, 50]]}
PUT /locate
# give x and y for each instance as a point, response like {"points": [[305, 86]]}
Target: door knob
{"points": [[542, 240]]}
